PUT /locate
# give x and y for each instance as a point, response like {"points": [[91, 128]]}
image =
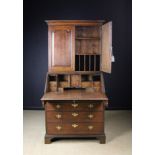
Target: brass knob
{"points": [[90, 116], [74, 105], [90, 105], [58, 116], [74, 125], [58, 127], [58, 106], [90, 127], [75, 114]]}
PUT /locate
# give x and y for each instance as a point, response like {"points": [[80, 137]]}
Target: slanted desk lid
{"points": [[69, 95]]}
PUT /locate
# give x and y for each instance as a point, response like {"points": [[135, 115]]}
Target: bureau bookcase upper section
{"points": [[79, 45]]}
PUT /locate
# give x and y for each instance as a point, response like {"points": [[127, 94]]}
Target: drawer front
{"points": [[75, 106], [78, 106], [83, 116], [97, 84], [74, 116], [75, 128], [52, 116], [63, 84], [97, 89], [54, 106], [86, 84], [53, 84]]}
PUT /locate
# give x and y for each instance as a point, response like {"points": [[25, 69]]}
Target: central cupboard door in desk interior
{"points": [[61, 48]]}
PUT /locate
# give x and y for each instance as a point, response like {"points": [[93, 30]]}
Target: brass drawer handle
{"points": [[90, 127], [90, 105], [90, 116], [75, 114], [58, 116], [74, 105], [58, 106], [74, 125], [58, 127]]}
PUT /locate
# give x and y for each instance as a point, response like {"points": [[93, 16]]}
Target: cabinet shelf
{"points": [[87, 38], [87, 54]]}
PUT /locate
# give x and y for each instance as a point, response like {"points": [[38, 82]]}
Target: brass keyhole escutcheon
{"points": [[90, 127], [75, 114], [74, 125], [58, 106], [90, 105]]}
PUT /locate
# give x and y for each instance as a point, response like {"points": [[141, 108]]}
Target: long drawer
{"points": [[75, 128], [74, 106], [53, 116]]}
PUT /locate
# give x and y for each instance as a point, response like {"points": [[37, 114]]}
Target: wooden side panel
{"points": [[46, 84], [61, 48], [106, 47]]}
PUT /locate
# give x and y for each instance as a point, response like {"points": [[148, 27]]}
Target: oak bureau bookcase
{"points": [[79, 51]]}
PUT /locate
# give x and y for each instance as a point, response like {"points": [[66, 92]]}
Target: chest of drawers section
{"points": [[74, 118]]}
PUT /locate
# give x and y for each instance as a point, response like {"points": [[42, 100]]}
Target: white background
{"points": [[11, 77]]}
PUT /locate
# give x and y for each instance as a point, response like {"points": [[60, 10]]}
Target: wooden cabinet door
{"points": [[61, 48], [106, 57]]}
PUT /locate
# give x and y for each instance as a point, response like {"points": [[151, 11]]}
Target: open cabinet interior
{"points": [[62, 82], [88, 53], [87, 48]]}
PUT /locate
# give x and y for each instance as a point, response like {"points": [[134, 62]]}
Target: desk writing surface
{"points": [[74, 95]]}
